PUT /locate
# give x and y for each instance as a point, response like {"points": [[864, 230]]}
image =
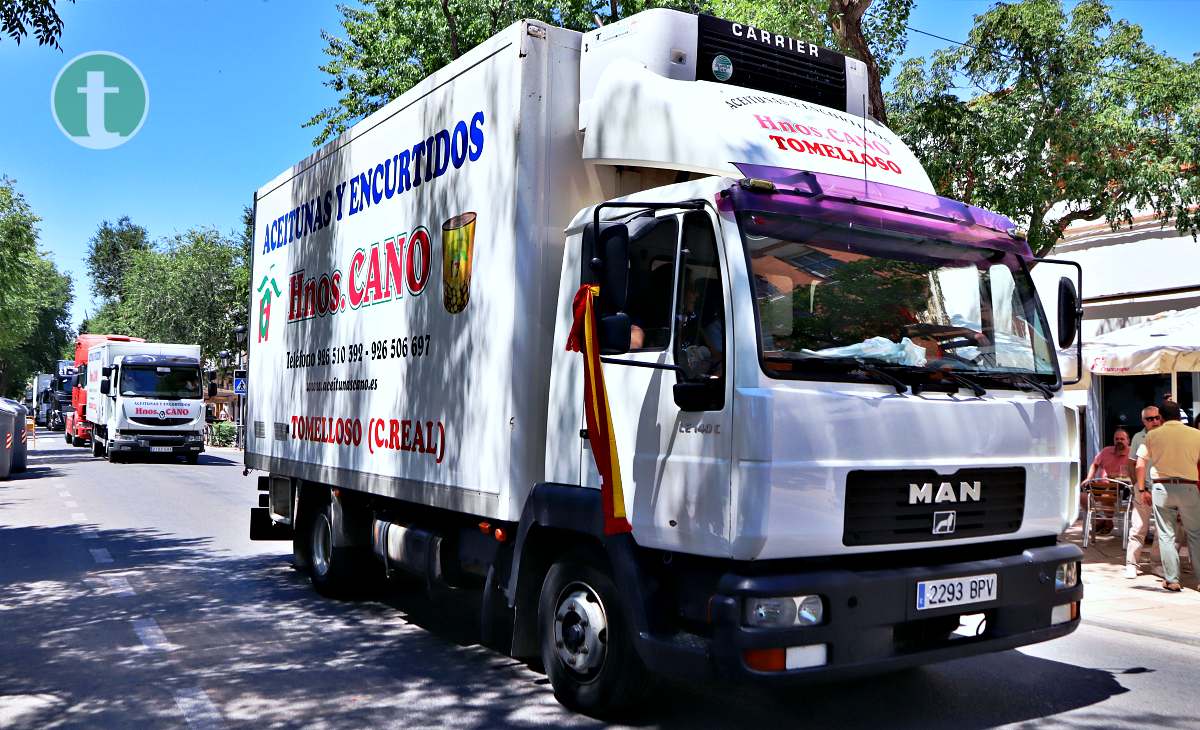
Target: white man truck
{"points": [[145, 398], [828, 427]]}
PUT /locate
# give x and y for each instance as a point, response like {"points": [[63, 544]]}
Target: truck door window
{"points": [[651, 277], [700, 312]]}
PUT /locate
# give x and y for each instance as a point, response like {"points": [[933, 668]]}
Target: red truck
{"points": [[78, 431]]}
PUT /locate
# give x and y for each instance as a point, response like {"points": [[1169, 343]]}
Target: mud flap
{"points": [[262, 528]]}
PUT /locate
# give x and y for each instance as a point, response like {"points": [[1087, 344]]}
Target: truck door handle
{"points": [[583, 434]]}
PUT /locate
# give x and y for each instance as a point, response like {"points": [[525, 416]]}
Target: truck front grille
{"points": [[880, 508]]}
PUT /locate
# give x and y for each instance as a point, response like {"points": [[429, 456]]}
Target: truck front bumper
{"points": [[177, 445], [871, 623]]}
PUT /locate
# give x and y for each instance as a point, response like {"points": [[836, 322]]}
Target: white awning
{"points": [[1168, 343], [639, 118]]}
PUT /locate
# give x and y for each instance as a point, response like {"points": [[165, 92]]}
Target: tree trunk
{"points": [[845, 17]]}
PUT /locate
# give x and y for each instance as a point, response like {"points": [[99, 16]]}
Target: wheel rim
{"points": [[322, 545], [580, 630]]}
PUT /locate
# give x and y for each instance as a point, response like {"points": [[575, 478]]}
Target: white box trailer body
{"points": [[410, 393], [145, 397], [449, 392], [41, 398]]}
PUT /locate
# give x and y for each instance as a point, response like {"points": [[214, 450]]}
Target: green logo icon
{"points": [[99, 100], [722, 68]]}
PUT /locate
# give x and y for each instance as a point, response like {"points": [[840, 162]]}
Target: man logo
{"points": [[924, 494], [944, 522]]}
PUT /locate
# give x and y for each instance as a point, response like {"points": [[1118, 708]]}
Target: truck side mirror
{"points": [[614, 332], [104, 385], [693, 396], [1068, 312], [106, 371], [212, 389], [606, 262]]}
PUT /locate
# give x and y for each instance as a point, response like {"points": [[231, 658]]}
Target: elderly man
{"points": [[1142, 511], [1174, 448]]}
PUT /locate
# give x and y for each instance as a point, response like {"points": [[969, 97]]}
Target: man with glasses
{"points": [[1174, 449], [1140, 519]]}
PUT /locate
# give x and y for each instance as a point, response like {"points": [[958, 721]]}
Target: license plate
{"points": [[956, 591], [161, 449]]}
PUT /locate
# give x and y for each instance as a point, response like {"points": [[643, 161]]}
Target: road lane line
{"points": [[119, 586], [69, 503], [78, 517], [101, 555], [152, 637], [64, 493], [198, 709]]}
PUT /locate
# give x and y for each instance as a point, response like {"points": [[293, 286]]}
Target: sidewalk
{"points": [[1138, 606]]}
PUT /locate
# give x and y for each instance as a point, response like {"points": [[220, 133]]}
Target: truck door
{"points": [[675, 460]]}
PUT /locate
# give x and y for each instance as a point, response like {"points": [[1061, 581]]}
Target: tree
{"points": [[192, 290], [387, 46], [18, 16], [109, 255], [1076, 118], [35, 298]]}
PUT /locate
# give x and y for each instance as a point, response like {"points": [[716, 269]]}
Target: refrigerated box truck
{"points": [[145, 398], [829, 430]]}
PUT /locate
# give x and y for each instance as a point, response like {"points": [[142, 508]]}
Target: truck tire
{"points": [[331, 569], [192, 458], [98, 447], [67, 436], [587, 646], [77, 442]]}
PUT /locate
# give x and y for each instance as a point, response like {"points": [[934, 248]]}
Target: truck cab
{"points": [[145, 402]]}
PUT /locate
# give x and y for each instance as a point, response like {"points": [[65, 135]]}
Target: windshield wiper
{"points": [[855, 363], [1025, 383]]}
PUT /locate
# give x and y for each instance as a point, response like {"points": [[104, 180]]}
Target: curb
{"points": [[1178, 638]]}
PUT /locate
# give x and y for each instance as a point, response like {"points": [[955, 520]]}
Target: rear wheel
{"points": [[331, 568], [587, 648], [97, 446], [78, 442]]}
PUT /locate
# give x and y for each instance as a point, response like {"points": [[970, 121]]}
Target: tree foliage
{"points": [[110, 253], [17, 17], [35, 298], [388, 46], [192, 289], [1075, 117]]}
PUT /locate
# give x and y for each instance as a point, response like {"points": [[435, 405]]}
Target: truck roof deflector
{"points": [[863, 202]]}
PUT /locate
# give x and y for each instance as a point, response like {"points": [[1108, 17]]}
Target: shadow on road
{"points": [[250, 631]]}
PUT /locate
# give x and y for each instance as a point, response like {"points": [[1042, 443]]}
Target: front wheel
{"points": [[587, 647]]}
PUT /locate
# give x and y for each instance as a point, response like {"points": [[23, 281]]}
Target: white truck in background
{"points": [[40, 407], [145, 398], [833, 395]]}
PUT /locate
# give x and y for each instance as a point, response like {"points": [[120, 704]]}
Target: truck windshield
{"points": [[151, 381], [829, 294]]}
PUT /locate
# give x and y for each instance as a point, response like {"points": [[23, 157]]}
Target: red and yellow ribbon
{"points": [[583, 339]]}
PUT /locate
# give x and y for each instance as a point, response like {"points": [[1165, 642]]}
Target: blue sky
{"points": [[231, 82]]}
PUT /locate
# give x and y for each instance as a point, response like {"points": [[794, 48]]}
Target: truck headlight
{"points": [[194, 437], [783, 611], [1066, 576]]}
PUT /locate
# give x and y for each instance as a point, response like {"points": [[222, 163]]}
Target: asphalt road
{"points": [[130, 595]]}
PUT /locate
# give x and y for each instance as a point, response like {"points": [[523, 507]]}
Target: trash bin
{"points": [[20, 449], [9, 436]]}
